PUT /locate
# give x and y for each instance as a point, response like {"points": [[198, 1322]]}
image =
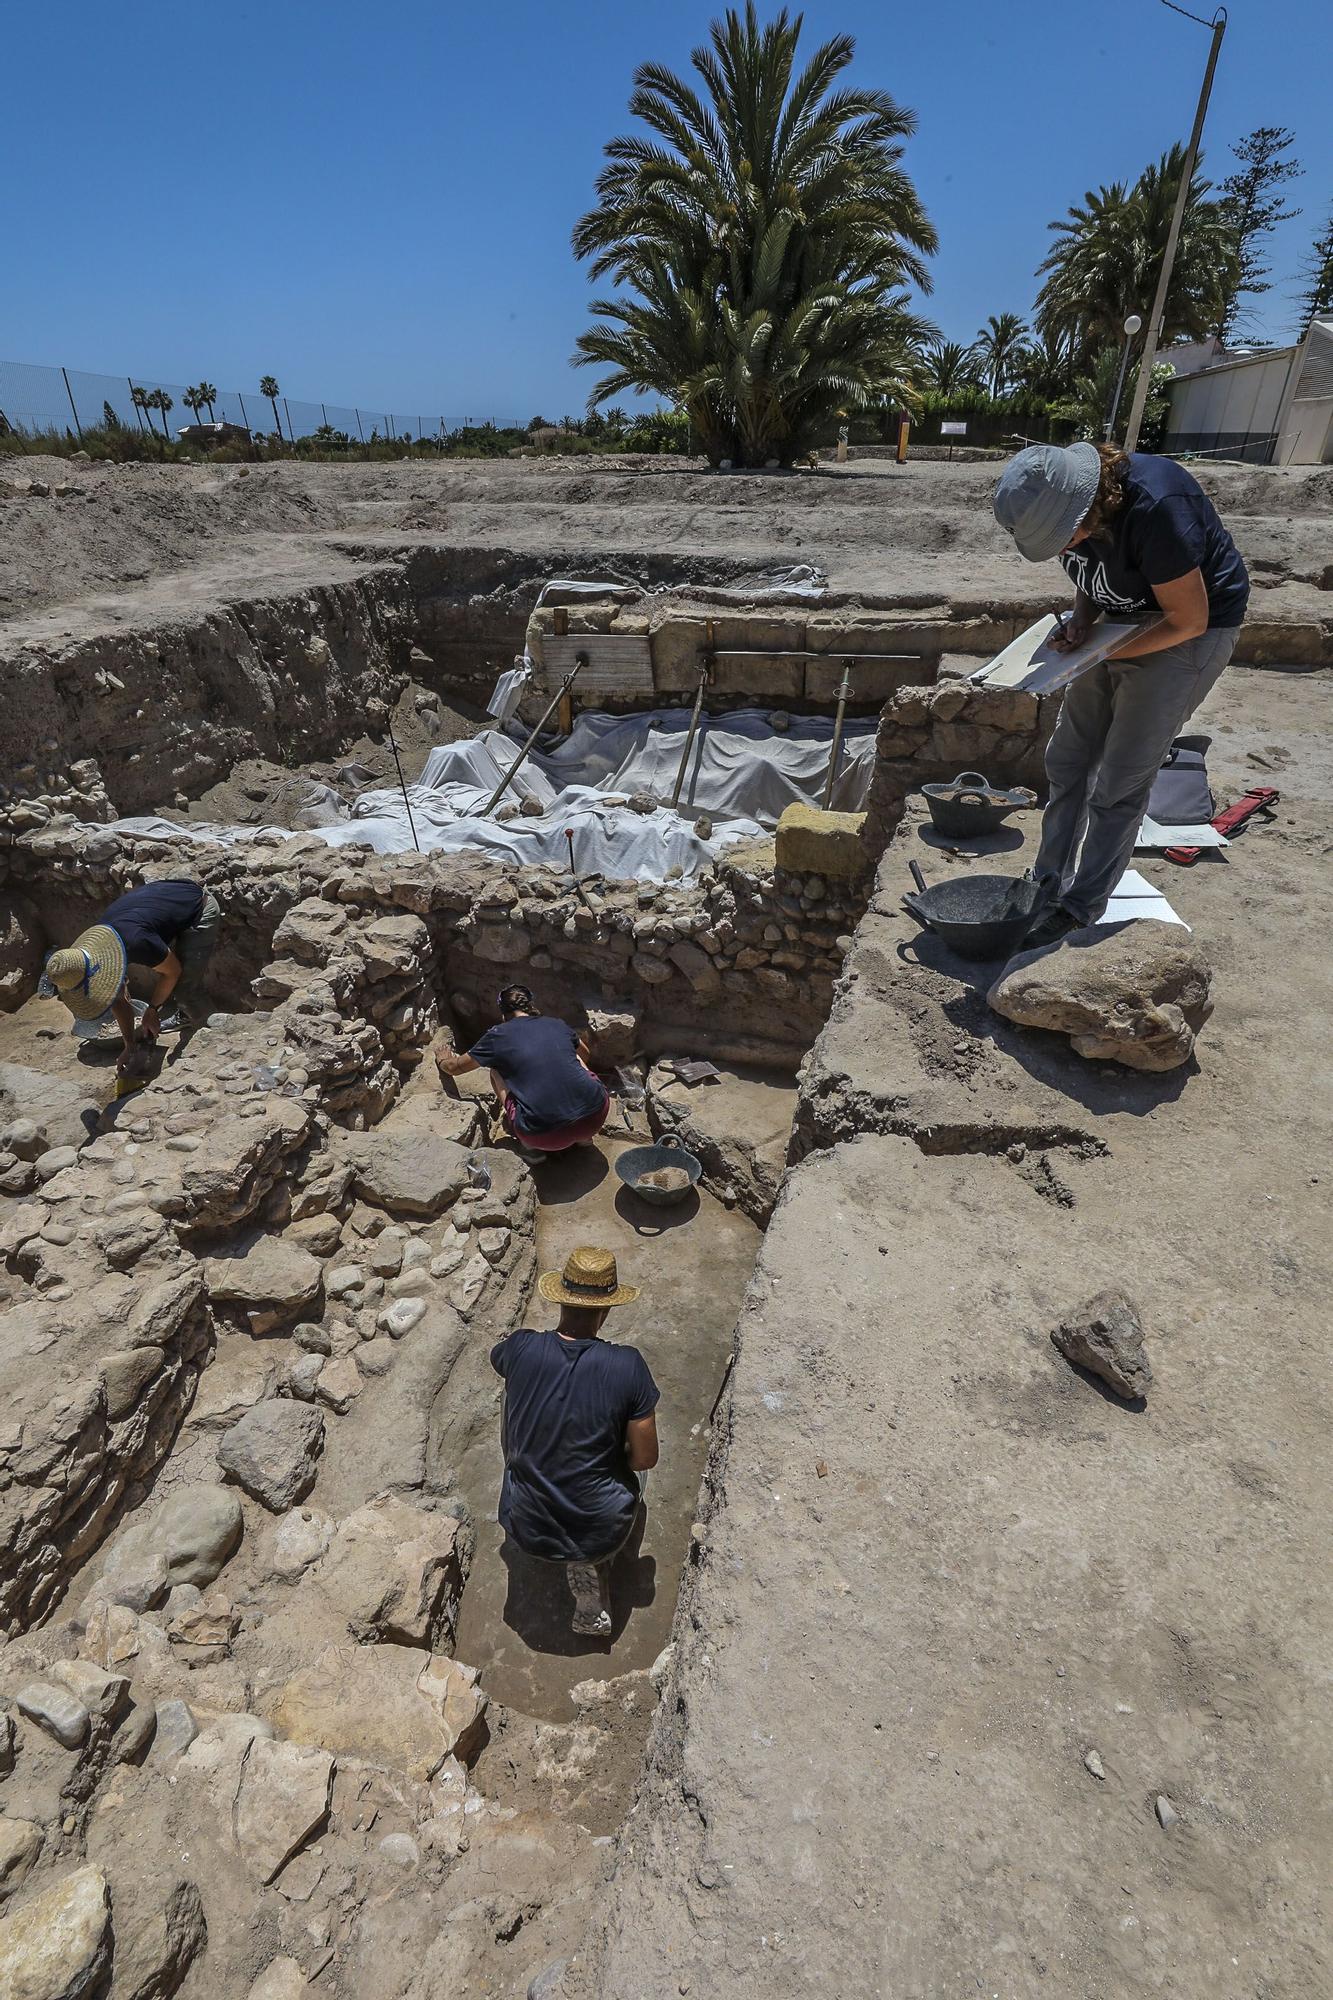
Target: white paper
{"points": [[1135, 896], [1028, 662], [1153, 834]]}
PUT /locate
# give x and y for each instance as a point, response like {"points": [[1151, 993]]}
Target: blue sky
{"points": [[375, 203]]}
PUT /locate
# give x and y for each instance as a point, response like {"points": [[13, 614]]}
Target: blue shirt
{"points": [[148, 920], [1166, 527], [568, 1492], [537, 1057]]}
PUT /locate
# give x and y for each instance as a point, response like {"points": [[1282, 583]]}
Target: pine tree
{"points": [[1316, 302], [1254, 207]]}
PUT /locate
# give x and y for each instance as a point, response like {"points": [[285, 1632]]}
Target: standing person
{"points": [[541, 1072], [1138, 537], [579, 1424], [170, 927]]}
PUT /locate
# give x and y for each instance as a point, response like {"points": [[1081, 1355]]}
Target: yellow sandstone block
{"points": [[811, 842]]}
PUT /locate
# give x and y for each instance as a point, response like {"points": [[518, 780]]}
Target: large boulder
{"points": [[273, 1452], [391, 1705], [409, 1170], [58, 1944], [272, 1279], [1136, 995], [157, 1938], [187, 1539]]}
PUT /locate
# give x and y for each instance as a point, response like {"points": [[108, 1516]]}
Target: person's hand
{"points": [[1072, 628]]}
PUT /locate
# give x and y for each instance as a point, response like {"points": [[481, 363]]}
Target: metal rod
{"points": [[393, 745], [803, 653], [705, 669], [1157, 317], [844, 689], [580, 660], [70, 393]]}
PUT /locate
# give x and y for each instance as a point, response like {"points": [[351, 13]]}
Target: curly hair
{"points": [[1110, 489]]}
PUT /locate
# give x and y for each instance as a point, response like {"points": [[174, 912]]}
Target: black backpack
{"points": [[1181, 794]]}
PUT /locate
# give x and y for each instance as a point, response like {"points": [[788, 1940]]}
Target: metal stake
{"points": [[844, 689], [580, 660], [705, 675], [70, 393], [393, 745]]}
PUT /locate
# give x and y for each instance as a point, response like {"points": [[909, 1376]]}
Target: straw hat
{"points": [[588, 1279], [90, 973]]}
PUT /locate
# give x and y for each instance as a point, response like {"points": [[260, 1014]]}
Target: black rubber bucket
{"points": [[978, 916]]}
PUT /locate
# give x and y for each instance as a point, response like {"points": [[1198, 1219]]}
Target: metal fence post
{"points": [[70, 393], [244, 418], [291, 435]]}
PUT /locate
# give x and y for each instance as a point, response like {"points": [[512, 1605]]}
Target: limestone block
{"points": [[157, 1938], [281, 1979], [269, 1276], [56, 1710], [164, 1308], [202, 1633], [395, 1575], [311, 932], [105, 1695], [697, 967], [299, 1538], [1137, 995], [829, 844], [391, 1705], [188, 1539], [126, 1375], [238, 1377], [20, 1844], [57, 1944], [273, 1452], [283, 1801]]}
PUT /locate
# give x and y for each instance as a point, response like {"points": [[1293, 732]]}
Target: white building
{"points": [[1273, 406]]}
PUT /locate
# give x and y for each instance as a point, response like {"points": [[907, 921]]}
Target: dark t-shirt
{"points": [[148, 920], [568, 1491], [538, 1058], [1167, 527]]}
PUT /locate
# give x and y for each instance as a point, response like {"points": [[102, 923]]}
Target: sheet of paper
{"points": [[1153, 834], [1135, 896], [1028, 662]]}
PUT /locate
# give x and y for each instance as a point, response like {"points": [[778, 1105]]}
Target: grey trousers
{"points": [[1116, 725]]}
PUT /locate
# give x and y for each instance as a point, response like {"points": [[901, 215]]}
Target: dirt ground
{"points": [[143, 542], [943, 1568]]}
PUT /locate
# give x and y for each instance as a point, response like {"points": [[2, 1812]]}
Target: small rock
{"points": [[400, 1850], [300, 1538], [1092, 1762], [282, 1978], [57, 1711], [1167, 1816], [1106, 1338], [55, 1162], [402, 1316], [176, 1730], [339, 1384], [20, 1844]]}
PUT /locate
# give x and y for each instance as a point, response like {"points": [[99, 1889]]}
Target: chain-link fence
{"points": [[35, 399]]}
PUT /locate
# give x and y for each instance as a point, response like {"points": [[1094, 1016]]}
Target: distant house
{"points": [[1267, 405], [205, 436]]}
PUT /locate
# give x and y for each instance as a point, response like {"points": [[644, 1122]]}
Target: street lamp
{"points": [[1132, 325]]}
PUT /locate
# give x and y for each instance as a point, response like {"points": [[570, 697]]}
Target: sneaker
{"points": [[593, 1624], [1049, 926]]}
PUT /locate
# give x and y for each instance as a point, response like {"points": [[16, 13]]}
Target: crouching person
{"points": [[541, 1074], [579, 1425], [170, 927]]}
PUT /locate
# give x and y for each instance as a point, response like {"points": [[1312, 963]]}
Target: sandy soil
{"points": [[922, 531]]}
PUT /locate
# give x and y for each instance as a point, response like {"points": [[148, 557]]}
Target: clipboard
{"points": [[1031, 663]]}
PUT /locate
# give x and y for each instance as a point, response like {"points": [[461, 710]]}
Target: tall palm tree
{"points": [[208, 395], [139, 398], [193, 400], [947, 367], [160, 400], [268, 386], [1000, 347], [760, 238], [1107, 261], [1046, 366]]}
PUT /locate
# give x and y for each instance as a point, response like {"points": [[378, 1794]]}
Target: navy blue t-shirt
{"points": [[537, 1056], [148, 920], [1167, 527], [568, 1492]]}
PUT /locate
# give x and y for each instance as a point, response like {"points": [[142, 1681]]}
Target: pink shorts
{"points": [[562, 1136]]}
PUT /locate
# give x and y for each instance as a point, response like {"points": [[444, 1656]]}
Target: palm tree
{"points": [[208, 395], [999, 348], [194, 400], [1110, 252], [948, 367], [139, 398], [160, 400], [761, 239], [1046, 367], [268, 387]]}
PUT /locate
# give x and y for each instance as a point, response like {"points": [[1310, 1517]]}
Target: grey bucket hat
{"points": [[1044, 493]]}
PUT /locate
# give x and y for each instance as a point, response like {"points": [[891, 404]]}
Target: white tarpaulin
{"points": [[742, 773]]}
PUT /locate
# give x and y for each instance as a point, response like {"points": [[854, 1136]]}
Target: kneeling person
{"points": [[170, 927], [540, 1072], [579, 1424]]}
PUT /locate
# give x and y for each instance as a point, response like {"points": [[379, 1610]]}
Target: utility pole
{"points": [[1218, 24]]}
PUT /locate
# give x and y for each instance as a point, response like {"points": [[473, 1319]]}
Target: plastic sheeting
{"points": [[742, 773]]}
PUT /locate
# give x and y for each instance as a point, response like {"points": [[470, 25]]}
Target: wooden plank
{"points": [[618, 662]]}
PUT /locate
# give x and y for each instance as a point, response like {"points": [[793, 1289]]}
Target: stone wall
{"points": [[739, 965], [928, 735]]}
